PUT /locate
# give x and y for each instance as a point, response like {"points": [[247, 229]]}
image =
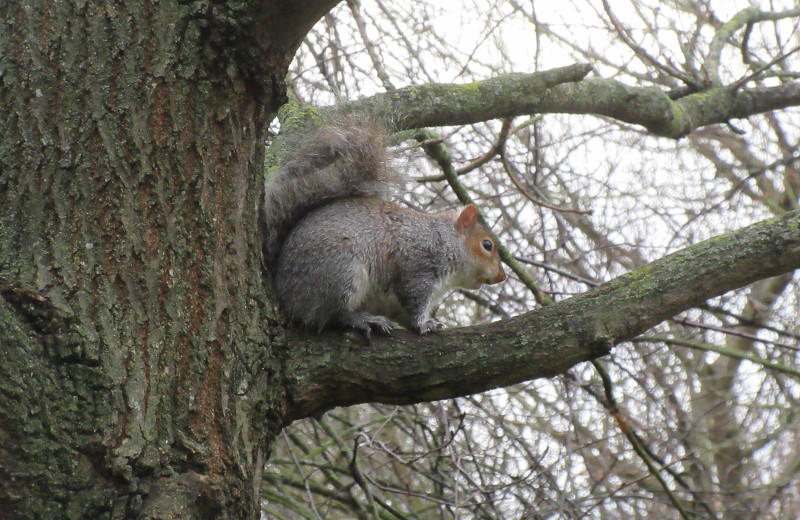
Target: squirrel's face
{"points": [[485, 263]]}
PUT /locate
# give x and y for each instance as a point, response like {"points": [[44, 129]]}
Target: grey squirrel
{"points": [[343, 254]]}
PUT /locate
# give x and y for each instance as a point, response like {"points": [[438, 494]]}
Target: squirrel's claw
{"points": [[366, 323], [430, 325]]}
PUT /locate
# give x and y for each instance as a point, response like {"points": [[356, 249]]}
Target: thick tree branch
{"points": [[443, 104], [653, 109], [564, 90], [334, 370], [289, 21]]}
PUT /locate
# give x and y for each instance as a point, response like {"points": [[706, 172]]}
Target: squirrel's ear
{"points": [[468, 217]]}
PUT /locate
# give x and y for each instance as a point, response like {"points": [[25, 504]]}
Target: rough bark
{"points": [[138, 360]]}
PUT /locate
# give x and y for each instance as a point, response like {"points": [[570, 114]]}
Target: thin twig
{"points": [[731, 332], [638, 447], [513, 174], [305, 478], [738, 84], [439, 153], [722, 351]]}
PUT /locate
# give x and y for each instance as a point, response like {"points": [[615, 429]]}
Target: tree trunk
{"points": [[136, 346]]}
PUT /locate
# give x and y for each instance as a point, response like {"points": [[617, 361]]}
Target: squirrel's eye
{"points": [[487, 245]]}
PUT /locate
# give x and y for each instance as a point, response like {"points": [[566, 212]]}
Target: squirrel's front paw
{"points": [[430, 326]]}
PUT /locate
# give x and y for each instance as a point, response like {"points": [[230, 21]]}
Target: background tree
{"points": [[145, 372]]}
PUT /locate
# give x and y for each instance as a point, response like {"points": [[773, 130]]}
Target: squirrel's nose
{"points": [[501, 275]]}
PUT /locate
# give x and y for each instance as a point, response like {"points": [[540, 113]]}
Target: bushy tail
{"points": [[345, 158]]}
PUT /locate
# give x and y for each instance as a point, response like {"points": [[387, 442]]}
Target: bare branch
{"points": [[562, 91], [443, 104], [745, 17]]}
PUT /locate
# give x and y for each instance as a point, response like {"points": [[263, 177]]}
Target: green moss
{"points": [[677, 123], [293, 118], [473, 86]]}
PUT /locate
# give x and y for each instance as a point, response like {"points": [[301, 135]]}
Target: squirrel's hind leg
{"points": [[366, 323]]}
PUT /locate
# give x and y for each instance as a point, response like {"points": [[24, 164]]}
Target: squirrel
{"points": [[342, 253]]}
